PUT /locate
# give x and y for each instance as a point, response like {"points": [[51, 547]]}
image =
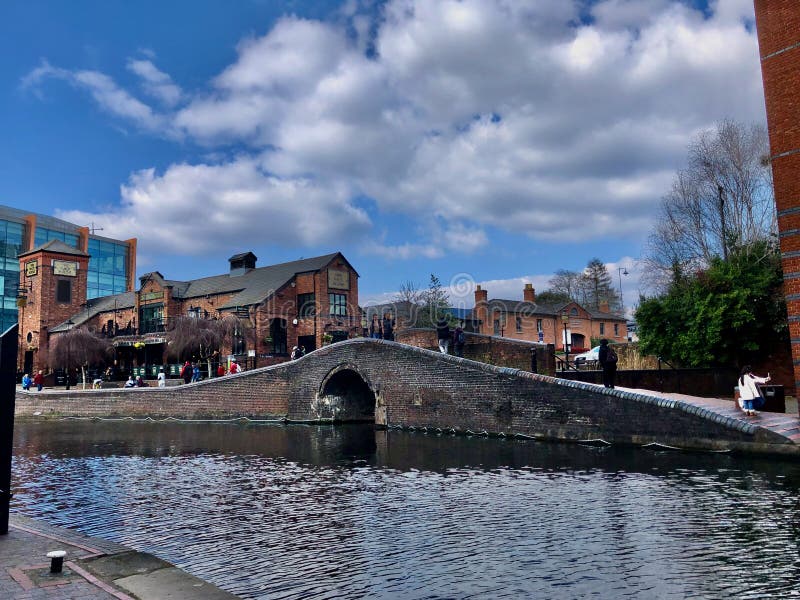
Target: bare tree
{"points": [[721, 201], [565, 283], [79, 347], [191, 337], [409, 292]]}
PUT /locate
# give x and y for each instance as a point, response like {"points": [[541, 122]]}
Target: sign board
{"points": [[339, 279], [251, 353], [65, 268], [31, 268]]}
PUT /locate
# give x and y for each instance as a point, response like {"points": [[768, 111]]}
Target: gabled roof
{"points": [[252, 287], [549, 310], [56, 246], [95, 306]]}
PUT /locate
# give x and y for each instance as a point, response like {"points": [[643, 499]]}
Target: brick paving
{"points": [[25, 568]]}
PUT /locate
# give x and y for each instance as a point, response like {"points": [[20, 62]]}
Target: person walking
{"points": [[235, 368], [443, 334], [196, 372], [26, 382], [186, 372], [38, 381], [607, 358], [748, 390], [458, 340], [162, 378]]}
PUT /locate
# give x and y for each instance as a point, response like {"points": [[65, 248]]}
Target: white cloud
{"points": [[156, 83], [106, 93], [513, 115], [198, 209]]}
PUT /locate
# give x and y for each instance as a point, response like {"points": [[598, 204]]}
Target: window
{"points": [[64, 291], [194, 312], [602, 328], [573, 312], [497, 326], [519, 324], [539, 326], [306, 305], [338, 304], [616, 329]]}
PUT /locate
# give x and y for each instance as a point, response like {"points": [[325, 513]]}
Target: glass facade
{"points": [[107, 268], [11, 236], [44, 235]]}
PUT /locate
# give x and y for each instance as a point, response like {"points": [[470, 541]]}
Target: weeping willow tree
{"points": [[79, 347], [200, 339]]}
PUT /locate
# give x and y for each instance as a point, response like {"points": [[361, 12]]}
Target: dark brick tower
{"points": [[778, 25]]}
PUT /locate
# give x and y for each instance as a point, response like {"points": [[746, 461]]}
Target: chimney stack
{"points": [[603, 307], [481, 295], [529, 294]]}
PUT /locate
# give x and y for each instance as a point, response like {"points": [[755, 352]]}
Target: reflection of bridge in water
{"points": [[403, 386]]}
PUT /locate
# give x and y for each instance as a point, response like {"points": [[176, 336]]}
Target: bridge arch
{"points": [[345, 395]]}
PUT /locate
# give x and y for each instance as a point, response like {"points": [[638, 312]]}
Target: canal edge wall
{"points": [[423, 389]]}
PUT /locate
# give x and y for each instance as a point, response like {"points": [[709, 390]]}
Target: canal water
{"points": [[272, 511]]}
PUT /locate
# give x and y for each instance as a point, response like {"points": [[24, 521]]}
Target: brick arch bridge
{"points": [[404, 386]]}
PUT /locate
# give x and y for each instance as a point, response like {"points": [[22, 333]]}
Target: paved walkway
{"points": [[94, 569], [786, 424]]}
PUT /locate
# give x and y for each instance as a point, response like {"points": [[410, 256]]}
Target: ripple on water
{"points": [[281, 512]]}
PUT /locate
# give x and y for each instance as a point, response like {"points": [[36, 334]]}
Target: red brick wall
{"points": [[778, 25], [492, 350]]}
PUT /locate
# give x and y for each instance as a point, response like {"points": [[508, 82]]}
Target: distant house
{"points": [[525, 319]]}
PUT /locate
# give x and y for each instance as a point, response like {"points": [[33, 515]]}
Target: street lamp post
{"points": [[620, 272], [565, 320]]}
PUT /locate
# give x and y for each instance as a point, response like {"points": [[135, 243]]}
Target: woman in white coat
{"points": [[748, 390]]}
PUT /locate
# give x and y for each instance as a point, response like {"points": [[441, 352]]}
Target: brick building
{"points": [[304, 302], [550, 324], [778, 26]]}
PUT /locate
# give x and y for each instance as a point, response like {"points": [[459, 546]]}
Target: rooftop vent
{"points": [[242, 263]]}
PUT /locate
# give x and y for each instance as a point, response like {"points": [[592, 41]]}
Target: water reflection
{"points": [[294, 511]]}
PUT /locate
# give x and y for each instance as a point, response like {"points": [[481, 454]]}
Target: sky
{"points": [[488, 142]]}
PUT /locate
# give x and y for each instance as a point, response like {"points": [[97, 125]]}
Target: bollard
{"points": [[56, 560]]}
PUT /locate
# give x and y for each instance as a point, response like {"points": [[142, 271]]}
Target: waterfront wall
{"points": [[413, 387]]}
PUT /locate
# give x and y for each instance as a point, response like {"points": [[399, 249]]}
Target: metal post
{"points": [[9, 345]]}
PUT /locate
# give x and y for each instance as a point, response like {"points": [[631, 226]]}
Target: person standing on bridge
{"points": [[162, 378], [388, 327], [443, 333], [748, 390], [186, 372], [608, 362]]}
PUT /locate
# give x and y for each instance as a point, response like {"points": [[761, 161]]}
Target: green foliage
{"points": [[553, 297], [721, 316], [435, 303]]}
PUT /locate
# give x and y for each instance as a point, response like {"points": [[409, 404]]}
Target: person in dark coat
{"points": [[375, 328], [388, 327], [458, 340], [608, 362], [186, 372], [443, 333]]}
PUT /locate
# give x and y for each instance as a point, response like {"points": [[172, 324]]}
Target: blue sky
{"points": [[486, 141]]}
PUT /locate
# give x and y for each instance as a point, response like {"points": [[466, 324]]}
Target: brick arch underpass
{"points": [[405, 386]]}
